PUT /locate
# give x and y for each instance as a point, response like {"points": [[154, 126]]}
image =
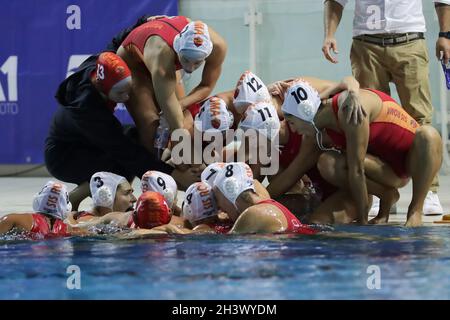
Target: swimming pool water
{"points": [[413, 264]]}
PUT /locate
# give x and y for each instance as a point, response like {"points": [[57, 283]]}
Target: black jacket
{"points": [[84, 119]]}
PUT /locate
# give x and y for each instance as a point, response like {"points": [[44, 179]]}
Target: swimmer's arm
{"points": [[137, 233], [20, 221], [160, 63], [172, 229], [352, 107], [211, 72], [357, 138], [305, 160], [227, 96], [203, 228], [253, 220]]}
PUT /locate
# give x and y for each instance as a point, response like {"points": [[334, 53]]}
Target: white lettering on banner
{"points": [[8, 105], [9, 68], [73, 22], [374, 20], [74, 62]]}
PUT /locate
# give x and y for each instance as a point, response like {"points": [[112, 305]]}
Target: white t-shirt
{"points": [[388, 16]]}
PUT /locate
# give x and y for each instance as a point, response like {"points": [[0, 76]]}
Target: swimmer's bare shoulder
{"points": [[260, 218]]}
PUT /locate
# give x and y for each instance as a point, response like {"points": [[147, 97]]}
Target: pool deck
{"points": [[17, 193]]}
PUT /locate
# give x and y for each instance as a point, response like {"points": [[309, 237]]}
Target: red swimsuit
{"points": [[165, 28], [288, 153], [294, 225], [42, 228], [391, 134]]}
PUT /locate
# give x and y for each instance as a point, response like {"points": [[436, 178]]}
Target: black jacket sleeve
{"points": [[104, 131]]}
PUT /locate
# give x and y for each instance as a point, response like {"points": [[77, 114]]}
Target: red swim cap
{"points": [[151, 211], [110, 70]]}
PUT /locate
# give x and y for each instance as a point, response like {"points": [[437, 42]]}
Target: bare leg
{"points": [[423, 163], [78, 194], [333, 168], [338, 208]]}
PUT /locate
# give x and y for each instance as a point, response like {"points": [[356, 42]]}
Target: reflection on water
{"points": [[414, 264]]}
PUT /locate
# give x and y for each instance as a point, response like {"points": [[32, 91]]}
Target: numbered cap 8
{"points": [[234, 179]]}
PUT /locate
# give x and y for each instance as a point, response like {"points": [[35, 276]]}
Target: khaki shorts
{"points": [[406, 65]]}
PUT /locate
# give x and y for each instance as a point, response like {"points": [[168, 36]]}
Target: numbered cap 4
{"points": [[249, 90], [262, 117], [210, 172], [302, 101], [162, 183], [199, 203], [213, 115], [234, 179], [53, 200], [103, 187]]}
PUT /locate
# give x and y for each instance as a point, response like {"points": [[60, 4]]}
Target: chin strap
{"points": [[319, 139]]}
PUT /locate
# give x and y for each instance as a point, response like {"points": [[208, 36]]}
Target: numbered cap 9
{"points": [[249, 90], [301, 100], [162, 183], [53, 200], [103, 187]]}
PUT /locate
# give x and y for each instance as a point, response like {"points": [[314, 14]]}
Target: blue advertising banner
{"points": [[42, 41]]}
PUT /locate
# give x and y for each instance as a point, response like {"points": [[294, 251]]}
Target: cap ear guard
{"points": [[233, 180], [104, 197]]}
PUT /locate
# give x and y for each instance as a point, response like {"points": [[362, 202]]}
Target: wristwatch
{"points": [[444, 34]]}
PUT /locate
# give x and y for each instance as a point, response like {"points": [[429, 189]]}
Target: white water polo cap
{"points": [[199, 203], [234, 179], [262, 117], [103, 187], [162, 183], [193, 42], [53, 200], [214, 115], [249, 90], [209, 174], [302, 101]]}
